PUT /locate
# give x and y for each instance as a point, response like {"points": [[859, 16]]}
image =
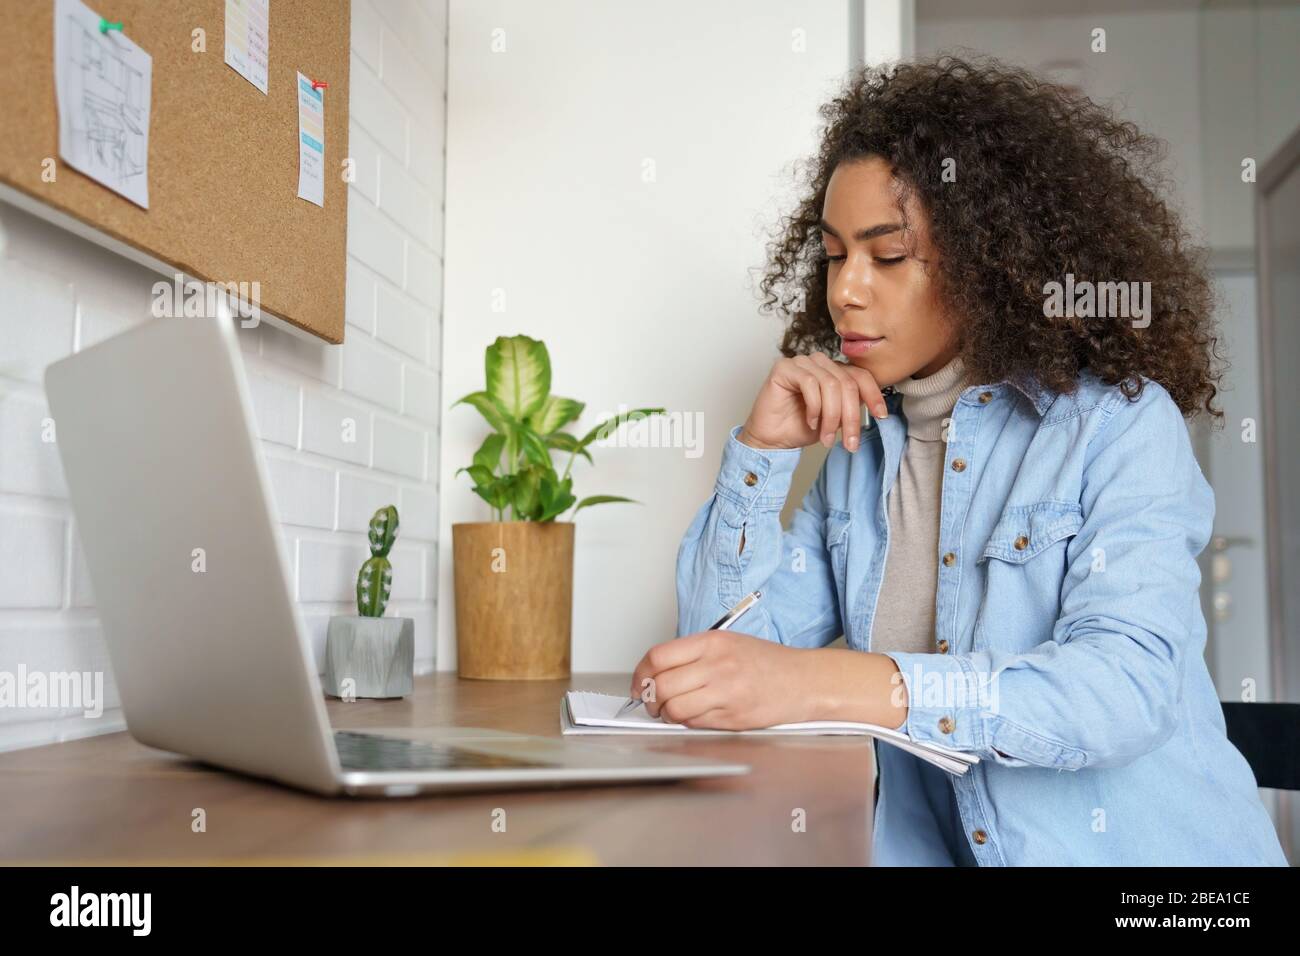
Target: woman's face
{"points": [[875, 286]]}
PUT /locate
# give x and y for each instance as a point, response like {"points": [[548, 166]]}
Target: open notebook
{"points": [[583, 712]]}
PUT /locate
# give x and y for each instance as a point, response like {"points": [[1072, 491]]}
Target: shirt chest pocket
{"points": [[1024, 564], [1026, 531]]}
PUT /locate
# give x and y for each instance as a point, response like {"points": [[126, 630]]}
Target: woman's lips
{"points": [[855, 347]]}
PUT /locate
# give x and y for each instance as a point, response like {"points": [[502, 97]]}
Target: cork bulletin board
{"points": [[222, 156]]}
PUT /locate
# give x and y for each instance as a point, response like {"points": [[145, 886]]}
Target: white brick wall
{"points": [[59, 293]]}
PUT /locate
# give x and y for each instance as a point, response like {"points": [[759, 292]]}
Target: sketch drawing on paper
{"points": [[104, 84], [111, 127]]}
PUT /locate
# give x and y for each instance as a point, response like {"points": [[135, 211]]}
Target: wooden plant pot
{"points": [[514, 599]]}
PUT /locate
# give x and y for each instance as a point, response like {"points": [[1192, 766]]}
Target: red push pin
{"points": [[319, 85]]}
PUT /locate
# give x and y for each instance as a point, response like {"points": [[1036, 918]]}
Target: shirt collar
{"points": [[1040, 398]]}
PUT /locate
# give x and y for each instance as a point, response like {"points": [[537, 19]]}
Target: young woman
{"points": [[1009, 546]]}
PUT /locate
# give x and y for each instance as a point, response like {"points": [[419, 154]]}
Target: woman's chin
{"points": [[880, 371]]}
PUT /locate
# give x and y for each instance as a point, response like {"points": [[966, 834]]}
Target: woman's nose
{"points": [[851, 287]]}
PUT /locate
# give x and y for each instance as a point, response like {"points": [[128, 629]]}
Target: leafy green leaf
{"points": [[489, 408], [518, 374], [566, 442], [488, 495], [548, 489], [502, 490], [533, 447], [489, 453], [481, 474], [607, 427], [600, 500], [555, 414], [559, 506], [525, 492]]}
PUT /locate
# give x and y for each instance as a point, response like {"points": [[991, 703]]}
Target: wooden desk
{"points": [[109, 799]]}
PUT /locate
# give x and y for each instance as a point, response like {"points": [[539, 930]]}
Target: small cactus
{"points": [[375, 580]]}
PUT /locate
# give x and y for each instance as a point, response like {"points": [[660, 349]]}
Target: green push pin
{"points": [[105, 26]]}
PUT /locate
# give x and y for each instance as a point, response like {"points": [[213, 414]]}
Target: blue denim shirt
{"points": [[1069, 638]]}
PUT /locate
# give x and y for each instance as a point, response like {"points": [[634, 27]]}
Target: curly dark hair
{"points": [[1047, 183]]}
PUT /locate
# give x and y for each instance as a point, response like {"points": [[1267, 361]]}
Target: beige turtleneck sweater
{"points": [[905, 614]]}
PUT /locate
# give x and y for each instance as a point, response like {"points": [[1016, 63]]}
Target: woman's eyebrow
{"points": [[862, 235]]}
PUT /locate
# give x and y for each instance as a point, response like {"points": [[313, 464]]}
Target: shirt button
{"points": [[1021, 543], [980, 837], [946, 724], [950, 559], [985, 397], [943, 647], [751, 479], [959, 464]]}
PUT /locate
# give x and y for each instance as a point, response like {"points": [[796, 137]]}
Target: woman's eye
{"points": [[883, 260]]}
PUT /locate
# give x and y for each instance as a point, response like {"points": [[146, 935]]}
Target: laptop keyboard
{"points": [[358, 751]]}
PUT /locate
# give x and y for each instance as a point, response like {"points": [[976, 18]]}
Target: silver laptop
{"points": [[158, 447]]}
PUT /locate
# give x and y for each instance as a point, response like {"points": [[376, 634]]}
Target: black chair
{"points": [[1268, 736]]}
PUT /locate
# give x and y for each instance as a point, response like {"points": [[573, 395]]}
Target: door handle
{"points": [[1222, 542]]}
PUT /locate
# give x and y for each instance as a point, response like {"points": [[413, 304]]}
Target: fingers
{"points": [[851, 397], [805, 378], [840, 398], [690, 706], [830, 397], [672, 684], [833, 394], [665, 656], [868, 389]]}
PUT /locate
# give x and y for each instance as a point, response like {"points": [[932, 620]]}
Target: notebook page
{"points": [[593, 710]]}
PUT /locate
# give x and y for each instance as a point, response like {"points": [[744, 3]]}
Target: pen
{"points": [[721, 624]]}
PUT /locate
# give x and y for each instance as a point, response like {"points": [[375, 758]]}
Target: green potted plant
{"points": [[367, 654], [514, 577]]}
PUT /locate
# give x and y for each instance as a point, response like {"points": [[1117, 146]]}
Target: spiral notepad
{"points": [[584, 712]]}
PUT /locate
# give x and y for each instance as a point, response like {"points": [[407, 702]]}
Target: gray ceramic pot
{"points": [[369, 656]]}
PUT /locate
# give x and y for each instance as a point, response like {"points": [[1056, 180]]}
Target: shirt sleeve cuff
{"points": [[946, 700], [754, 479], [953, 701]]}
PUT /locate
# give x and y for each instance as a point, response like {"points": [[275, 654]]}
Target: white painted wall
{"points": [[640, 287], [59, 294]]}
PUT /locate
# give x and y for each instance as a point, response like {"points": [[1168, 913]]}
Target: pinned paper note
{"points": [[248, 42], [103, 83], [311, 142]]}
